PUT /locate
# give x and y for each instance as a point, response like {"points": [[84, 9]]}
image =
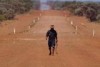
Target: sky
{"points": [[69, 0], [46, 7]]}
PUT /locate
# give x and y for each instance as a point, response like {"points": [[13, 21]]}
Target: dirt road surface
{"points": [[29, 49]]}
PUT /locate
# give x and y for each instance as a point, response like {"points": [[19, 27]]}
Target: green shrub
{"points": [[89, 9], [98, 17], [10, 14], [8, 8], [2, 17], [79, 11], [3, 10], [91, 14]]}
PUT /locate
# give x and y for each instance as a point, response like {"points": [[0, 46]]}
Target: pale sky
{"points": [[70, 0]]}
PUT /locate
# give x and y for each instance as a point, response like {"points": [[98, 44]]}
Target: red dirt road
{"points": [[29, 49]]}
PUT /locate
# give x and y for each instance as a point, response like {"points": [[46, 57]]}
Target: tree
{"points": [[8, 8], [91, 14]]}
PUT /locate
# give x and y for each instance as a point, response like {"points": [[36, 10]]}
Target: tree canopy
{"points": [[8, 8]]}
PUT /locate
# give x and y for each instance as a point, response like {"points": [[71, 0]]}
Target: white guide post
{"points": [[76, 29], [71, 22], [14, 30], [29, 27], [33, 21], [93, 33]]}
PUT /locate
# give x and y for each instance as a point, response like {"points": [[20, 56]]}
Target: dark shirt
{"points": [[52, 35]]}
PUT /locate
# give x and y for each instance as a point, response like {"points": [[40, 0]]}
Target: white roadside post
{"points": [[93, 33], [71, 22], [76, 29], [29, 27], [14, 30]]}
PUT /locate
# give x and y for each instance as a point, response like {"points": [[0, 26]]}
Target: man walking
{"points": [[51, 36]]}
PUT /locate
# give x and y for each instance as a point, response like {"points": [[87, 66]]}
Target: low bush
{"points": [[90, 10], [2, 17], [9, 8]]}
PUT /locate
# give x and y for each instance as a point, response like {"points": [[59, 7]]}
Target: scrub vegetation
{"points": [[9, 8], [90, 10]]}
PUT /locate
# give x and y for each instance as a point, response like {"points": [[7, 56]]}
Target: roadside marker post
{"points": [[76, 29], [14, 30], [71, 22], [93, 33], [29, 27]]}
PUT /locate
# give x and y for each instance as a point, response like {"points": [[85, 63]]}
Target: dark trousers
{"points": [[51, 44]]}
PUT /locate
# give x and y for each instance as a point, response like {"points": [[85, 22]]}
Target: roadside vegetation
{"points": [[91, 10], [9, 8]]}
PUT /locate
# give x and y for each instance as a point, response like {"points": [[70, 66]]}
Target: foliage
{"points": [[2, 17], [98, 17], [78, 11], [9, 8], [90, 10]]}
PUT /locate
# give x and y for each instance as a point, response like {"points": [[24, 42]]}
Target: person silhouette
{"points": [[51, 36]]}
